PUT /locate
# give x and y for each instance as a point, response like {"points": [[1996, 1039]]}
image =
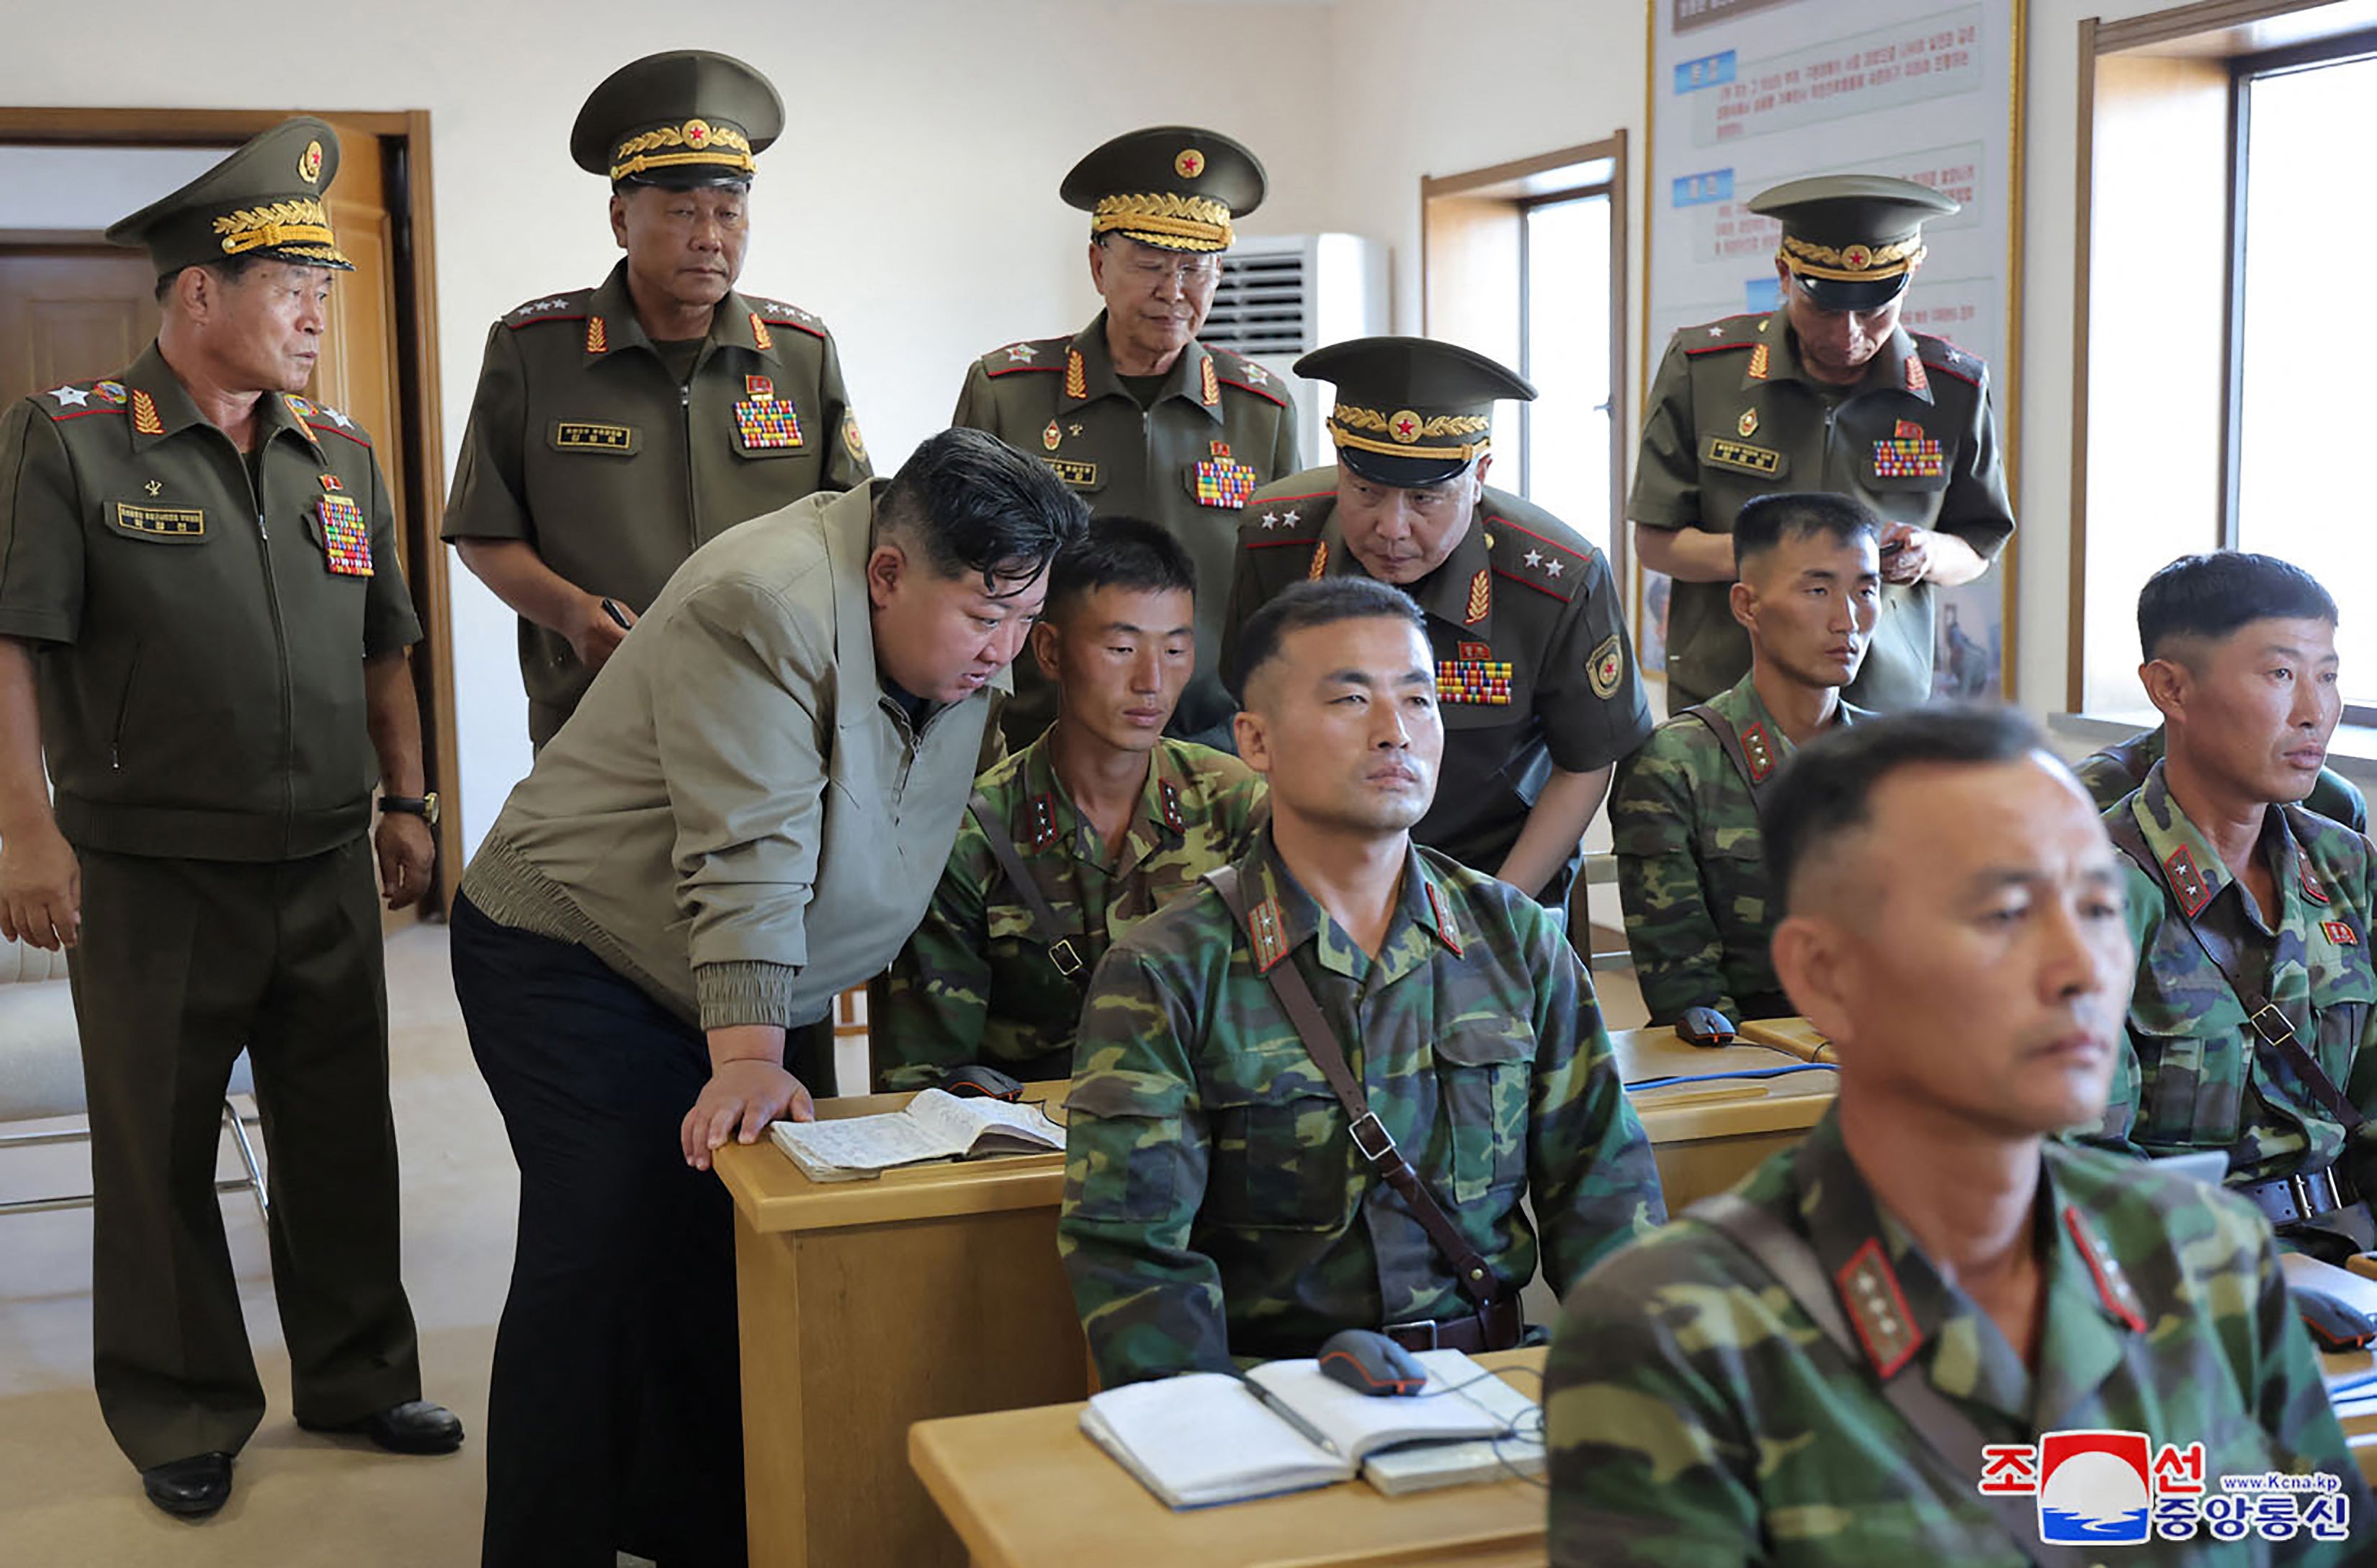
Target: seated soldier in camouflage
{"points": [[1816, 1367], [1077, 838], [2249, 1030], [1691, 861], [1257, 1061], [2110, 773]]}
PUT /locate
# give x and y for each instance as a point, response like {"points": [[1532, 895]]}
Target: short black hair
{"points": [[2212, 594], [1765, 521], [1320, 602], [1825, 792], [231, 270], [1128, 553], [973, 506]]}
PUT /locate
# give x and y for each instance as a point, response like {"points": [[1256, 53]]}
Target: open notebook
{"points": [[1203, 1438], [935, 1125]]}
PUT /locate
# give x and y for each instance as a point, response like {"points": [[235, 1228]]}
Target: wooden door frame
{"points": [[420, 448]]}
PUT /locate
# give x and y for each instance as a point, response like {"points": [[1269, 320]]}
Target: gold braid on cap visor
{"points": [[1851, 264], [283, 225], [1162, 218], [1408, 430], [719, 144]]}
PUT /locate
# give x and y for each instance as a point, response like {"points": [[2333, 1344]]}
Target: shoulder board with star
{"points": [[1235, 369], [325, 419], [73, 399], [776, 313], [1939, 354], [1717, 337], [1030, 353], [1530, 546], [1286, 513], [570, 306]]}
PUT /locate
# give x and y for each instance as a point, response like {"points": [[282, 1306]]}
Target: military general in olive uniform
{"points": [[198, 571], [616, 430], [1829, 392], [1233, 1185], [1533, 663], [1077, 838], [1856, 1356], [1132, 412]]}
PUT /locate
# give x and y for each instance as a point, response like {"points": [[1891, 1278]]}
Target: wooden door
{"points": [[71, 312]]}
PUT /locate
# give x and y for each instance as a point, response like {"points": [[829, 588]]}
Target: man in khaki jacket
{"points": [[791, 728]]}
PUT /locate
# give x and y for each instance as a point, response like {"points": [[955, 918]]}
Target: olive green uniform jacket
{"points": [[1734, 415], [582, 445], [1222, 425]]}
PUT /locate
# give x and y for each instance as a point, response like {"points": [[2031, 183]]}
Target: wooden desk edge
{"points": [[772, 1196]]}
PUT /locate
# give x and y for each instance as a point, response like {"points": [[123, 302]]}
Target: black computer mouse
{"points": [[1705, 1026], [989, 1081], [1368, 1362], [2334, 1324]]}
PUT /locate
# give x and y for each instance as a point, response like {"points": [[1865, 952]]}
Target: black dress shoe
{"points": [[414, 1427], [192, 1488]]}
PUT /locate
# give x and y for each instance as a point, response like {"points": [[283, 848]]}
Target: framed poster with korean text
{"points": [[1745, 94]]}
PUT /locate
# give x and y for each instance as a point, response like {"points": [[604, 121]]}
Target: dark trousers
{"points": [[614, 1420], [181, 963]]}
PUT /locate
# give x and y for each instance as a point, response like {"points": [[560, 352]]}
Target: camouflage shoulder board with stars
{"points": [[776, 313], [2187, 883], [1032, 353], [2112, 1285], [1234, 369], [570, 306], [1733, 332], [1877, 1309]]}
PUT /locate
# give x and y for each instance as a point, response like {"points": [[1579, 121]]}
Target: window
{"points": [[1564, 436], [2303, 240], [1525, 262]]}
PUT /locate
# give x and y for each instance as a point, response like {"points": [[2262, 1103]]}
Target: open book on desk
{"points": [[935, 1125], [1203, 1438]]}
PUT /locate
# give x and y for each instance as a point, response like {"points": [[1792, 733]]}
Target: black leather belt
{"points": [[2307, 1195], [1497, 1327]]}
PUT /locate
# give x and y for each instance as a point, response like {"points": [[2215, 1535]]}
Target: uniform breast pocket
{"points": [[2191, 1086], [152, 524], [1279, 1148], [1483, 1072], [594, 438]]}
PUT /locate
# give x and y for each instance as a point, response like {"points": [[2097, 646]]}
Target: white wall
{"points": [[912, 203]]}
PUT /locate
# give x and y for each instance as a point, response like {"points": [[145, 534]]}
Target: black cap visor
{"points": [[1862, 294], [1402, 473]]}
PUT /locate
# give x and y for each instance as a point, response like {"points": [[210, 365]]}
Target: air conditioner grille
{"points": [[1261, 306]]}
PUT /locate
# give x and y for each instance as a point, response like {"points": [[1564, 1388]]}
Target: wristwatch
{"points": [[424, 806]]}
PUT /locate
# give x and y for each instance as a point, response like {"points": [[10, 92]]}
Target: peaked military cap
{"points": [[1411, 411], [1852, 241], [265, 200], [680, 120], [1174, 186]]}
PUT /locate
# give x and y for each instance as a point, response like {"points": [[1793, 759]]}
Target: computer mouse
{"points": [[2334, 1324], [1368, 1362], [1705, 1026], [986, 1082]]}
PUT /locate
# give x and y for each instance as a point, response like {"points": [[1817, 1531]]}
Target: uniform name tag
{"points": [[1084, 475], [1723, 452], [585, 436], [161, 522]]}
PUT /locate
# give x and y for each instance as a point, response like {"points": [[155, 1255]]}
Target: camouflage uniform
{"points": [[1697, 1415], [2188, 1080], [1692, 862], [2111, 774], [1532, 664], [1214, 1202], [975, 982]]}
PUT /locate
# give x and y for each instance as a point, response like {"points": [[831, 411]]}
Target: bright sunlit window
{"points": [[1565, 347], [2307, 239]]}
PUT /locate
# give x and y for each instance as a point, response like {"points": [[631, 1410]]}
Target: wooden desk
{"points": [[1024, 1489], [1708, 1136], [866, 1306]]}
